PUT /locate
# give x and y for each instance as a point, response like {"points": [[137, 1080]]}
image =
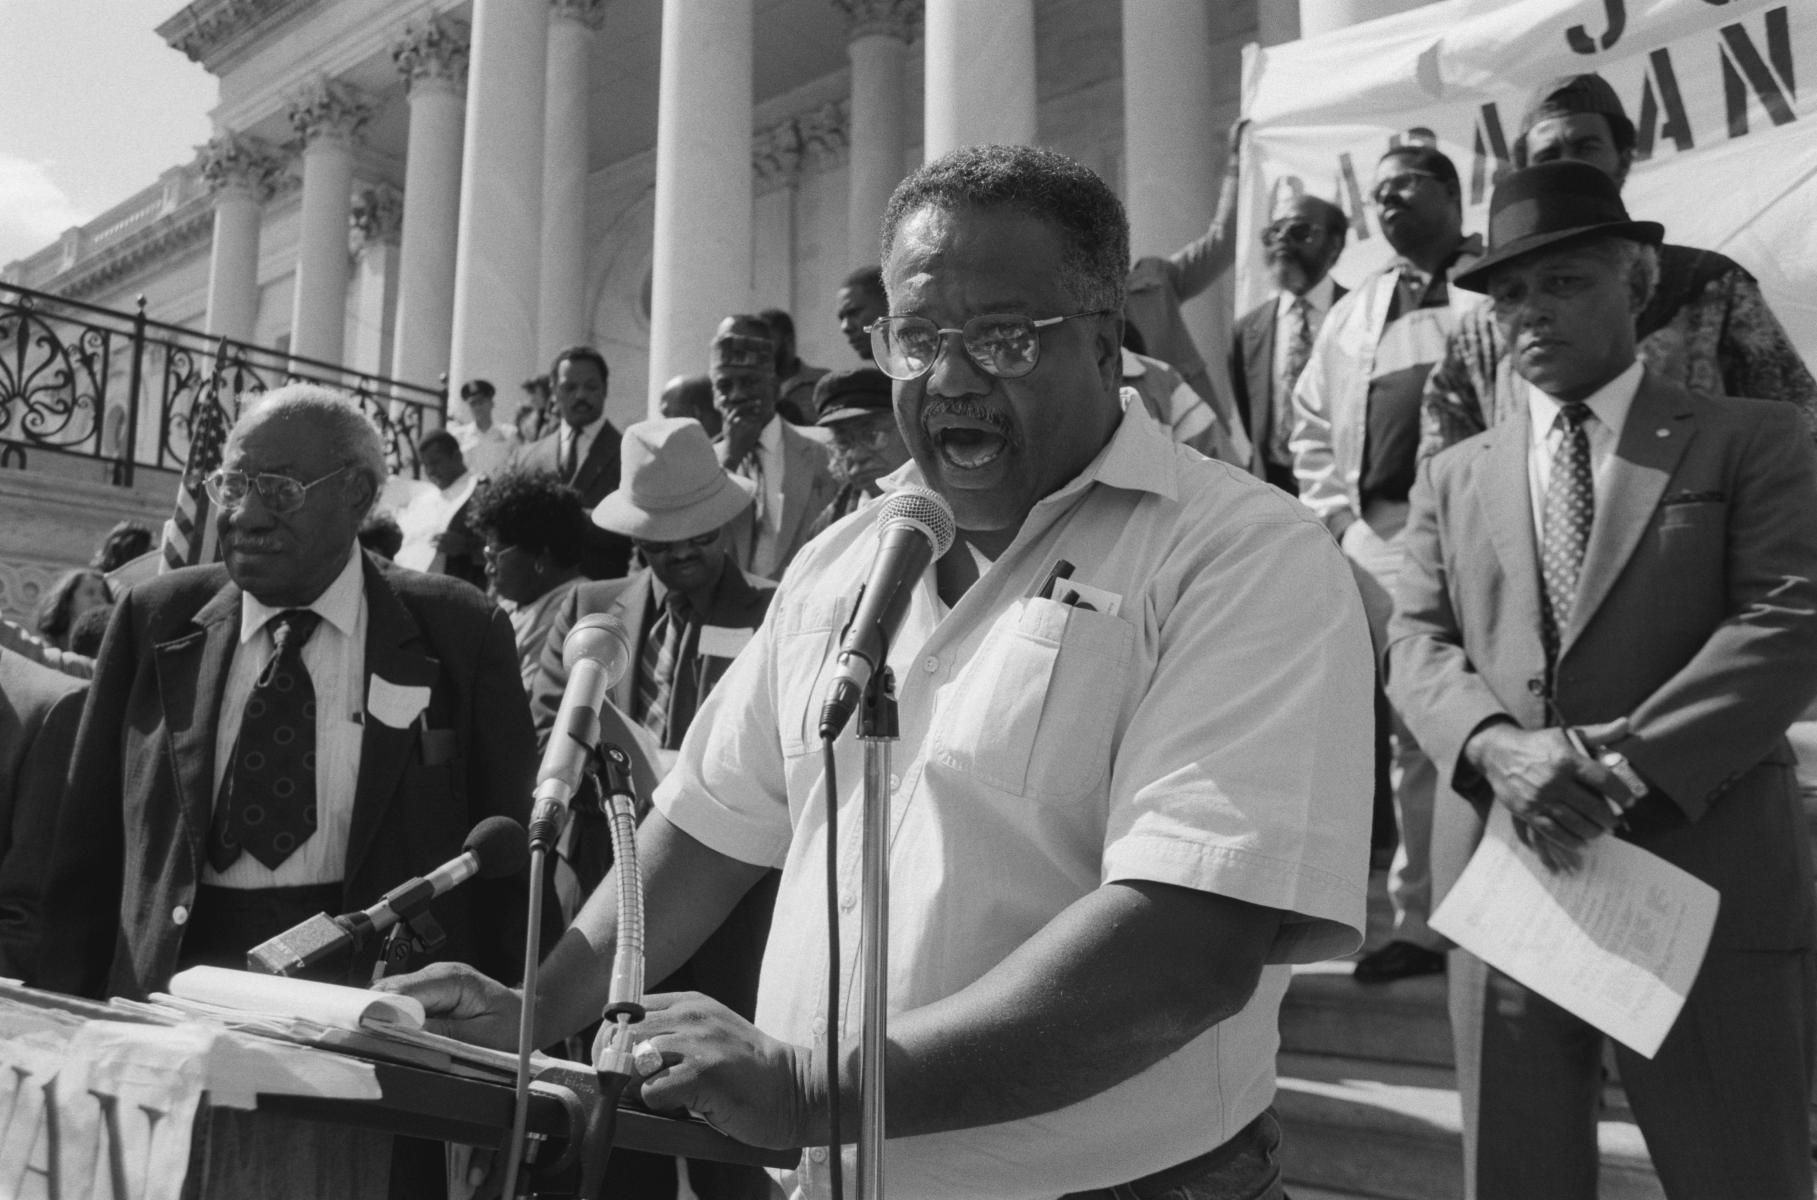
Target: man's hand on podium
{"points": [[718, 1065], [462, 1003]]}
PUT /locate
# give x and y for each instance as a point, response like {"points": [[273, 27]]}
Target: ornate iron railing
{"points": [[85, 382]]}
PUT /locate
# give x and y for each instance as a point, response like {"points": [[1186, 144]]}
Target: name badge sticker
{"points": [[723, 641]]}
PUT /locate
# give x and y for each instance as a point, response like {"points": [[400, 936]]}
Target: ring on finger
{"points": [[646, 1058]]}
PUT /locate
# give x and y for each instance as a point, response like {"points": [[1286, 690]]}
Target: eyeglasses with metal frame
{"points": [[281, 493], [1007, 345]]}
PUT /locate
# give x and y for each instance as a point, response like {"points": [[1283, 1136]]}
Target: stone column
{"points": [[498, 252], [562, 318], [433, 60], [879, 33], [703, 181], [242, 172], [980, 74], [378, 218], [327, 116], [1324, 16], [1173, 166]]}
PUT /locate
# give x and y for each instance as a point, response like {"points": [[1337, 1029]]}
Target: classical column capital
{"points": [[377, 217], [813, 140], [899, 19], [433, 54], [591, 13], [240, 164], [328, 110]]}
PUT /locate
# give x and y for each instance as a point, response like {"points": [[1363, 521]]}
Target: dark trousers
{"points": [[1722, 1105], [1246, 1167]]}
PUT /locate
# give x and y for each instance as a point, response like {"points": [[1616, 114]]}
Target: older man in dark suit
{"points": [[292, 732], [1272, 342], [582, 451], [39, 709], [1637, 560]]}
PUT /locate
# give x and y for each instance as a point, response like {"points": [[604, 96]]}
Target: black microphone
{"points": [[495, 848], [914, 528], [596, 655]]}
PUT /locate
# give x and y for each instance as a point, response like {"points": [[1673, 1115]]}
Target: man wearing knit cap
{"points": [[855, 407], [1707, 326], [787, 465]]}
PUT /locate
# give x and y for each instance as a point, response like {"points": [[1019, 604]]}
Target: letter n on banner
{"points": [[1743, 68]]}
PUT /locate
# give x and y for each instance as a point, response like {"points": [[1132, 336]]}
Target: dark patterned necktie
{"points": [[1570, 508], [656, 671], [1299, 353], [267, 802]]}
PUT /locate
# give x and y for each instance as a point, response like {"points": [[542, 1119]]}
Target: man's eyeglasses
{"points": [[1007, 345], [1296, 233], [281, 493], [696, 543], [1401, 181]]}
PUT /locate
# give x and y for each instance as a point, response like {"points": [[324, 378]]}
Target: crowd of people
{"points": [[1493, 527]]}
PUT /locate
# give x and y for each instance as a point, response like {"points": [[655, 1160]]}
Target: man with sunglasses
{"points": [[291, 731], [1133, 775], [1273, 341], [1356, 431], [687, 615]]}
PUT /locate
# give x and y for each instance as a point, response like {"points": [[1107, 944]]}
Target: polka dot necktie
{"points": [[1570, 507], [267, 802]]}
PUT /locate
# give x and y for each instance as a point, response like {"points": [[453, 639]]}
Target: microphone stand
{"points": [[419, 933], [877, 729]]}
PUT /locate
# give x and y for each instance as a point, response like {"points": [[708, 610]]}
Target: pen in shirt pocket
{"points": [[1062, 570]]}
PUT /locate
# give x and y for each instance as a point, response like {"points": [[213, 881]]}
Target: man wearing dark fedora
{"points": [[1635, 561], [855, 407], [1707, 325], [687, 613]]}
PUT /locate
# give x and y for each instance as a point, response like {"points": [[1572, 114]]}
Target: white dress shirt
{"points": [[425, 517], [1609, 407], [335, 656]]}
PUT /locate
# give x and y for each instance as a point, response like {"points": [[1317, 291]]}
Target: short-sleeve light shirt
{"points": [[1212, 734]]}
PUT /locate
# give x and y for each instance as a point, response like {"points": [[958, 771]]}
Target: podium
{"points": [[100, 1101]]}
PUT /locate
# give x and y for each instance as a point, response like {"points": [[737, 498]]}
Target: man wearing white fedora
{"points": [[686, 613]]}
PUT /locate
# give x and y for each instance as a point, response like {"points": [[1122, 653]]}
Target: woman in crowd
{"points": [[532, 525], [74, 593]]}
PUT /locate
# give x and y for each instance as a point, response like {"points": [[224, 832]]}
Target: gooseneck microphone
{"points": [[494, 849], [914, 528], [596, 654]]}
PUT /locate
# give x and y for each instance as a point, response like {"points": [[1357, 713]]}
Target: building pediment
{"points": [[209, 30]]}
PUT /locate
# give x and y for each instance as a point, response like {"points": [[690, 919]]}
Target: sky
{"points": [[94, 106]]}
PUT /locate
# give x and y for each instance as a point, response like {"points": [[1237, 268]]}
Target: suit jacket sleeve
{"points": [[38, 794], [1428, 673], [81, 899], [1730, 705]]}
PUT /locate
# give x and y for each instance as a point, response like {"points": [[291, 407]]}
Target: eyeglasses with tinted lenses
{"points": [[1296, 233], [281, 493], [1404, 181], [697, 543], [1007, 345]]}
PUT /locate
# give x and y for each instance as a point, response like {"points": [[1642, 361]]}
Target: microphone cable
{"points": [[836, 1146]]}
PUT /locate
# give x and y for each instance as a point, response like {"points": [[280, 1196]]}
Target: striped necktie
{"points": [[657, 664]]}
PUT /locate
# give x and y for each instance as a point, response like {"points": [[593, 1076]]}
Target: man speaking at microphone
{"points": [[1133, 783]]}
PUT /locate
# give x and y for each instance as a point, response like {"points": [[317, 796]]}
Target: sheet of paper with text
{"points": [[1618, 942]]}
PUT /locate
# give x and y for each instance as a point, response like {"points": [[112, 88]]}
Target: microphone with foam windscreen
{"points": [[494, 849], [596, 654], [914, 528]]}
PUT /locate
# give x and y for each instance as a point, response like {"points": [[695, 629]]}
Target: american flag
{"points": [[189, 535]]}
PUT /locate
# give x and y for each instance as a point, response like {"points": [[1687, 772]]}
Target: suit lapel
{"points": [[1654, 437], [601, 456], [395, 652], [797, 481], [192, 674], [1259, 355], [632, 611], [1501, 489]]}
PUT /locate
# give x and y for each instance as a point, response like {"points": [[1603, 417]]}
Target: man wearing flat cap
{"points": [[786, 464], [1635, 561], [486, 445], [1707, 325], [855, 407], [687, 614]]}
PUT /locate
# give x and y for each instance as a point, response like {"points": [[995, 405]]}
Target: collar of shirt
{"points": [[457, 491], [1319, 299], [339, 603], [586, 433], [1609, 404]]}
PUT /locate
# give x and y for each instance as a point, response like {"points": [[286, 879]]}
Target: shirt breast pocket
{"points": [[804, 655], [1032, 713]]}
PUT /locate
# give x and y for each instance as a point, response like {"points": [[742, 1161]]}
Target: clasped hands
{"points": [[1555, 792], [714, 1063]]}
